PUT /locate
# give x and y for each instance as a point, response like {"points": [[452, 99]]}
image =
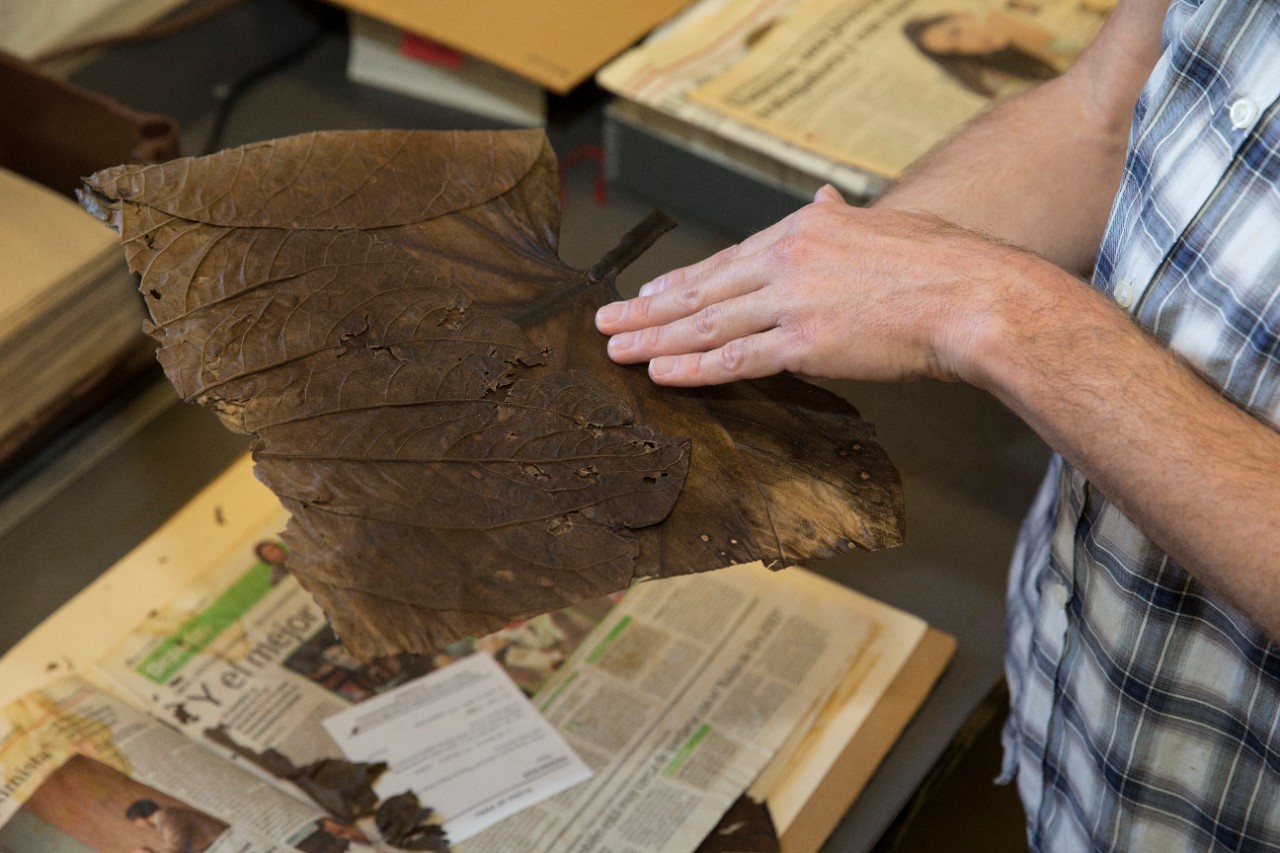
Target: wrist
{"points": [[1011, 302]]}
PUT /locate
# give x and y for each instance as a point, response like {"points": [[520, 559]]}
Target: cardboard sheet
{"points": [[555, 43]]}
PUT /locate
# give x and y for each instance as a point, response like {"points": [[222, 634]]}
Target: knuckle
{"points": [[733, 355], [690, 295], [797, 331], [787, 248], [809, 216], [791, 324], [706, 321], [725, 256]]}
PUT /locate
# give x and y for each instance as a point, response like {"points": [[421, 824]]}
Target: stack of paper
{"points": [[849, 92], [69, 308]]}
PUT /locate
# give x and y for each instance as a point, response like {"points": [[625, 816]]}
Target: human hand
{"points": [[832, 291]]}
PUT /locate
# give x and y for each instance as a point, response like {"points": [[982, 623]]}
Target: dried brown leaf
{"points": [[387, 313]]}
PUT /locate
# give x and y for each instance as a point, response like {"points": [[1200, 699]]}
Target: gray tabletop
{"points": [[969, 467]]}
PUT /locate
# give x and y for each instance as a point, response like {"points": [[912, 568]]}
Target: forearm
{"points": [[1040, 169], [1038, 158], [1194, 472]]}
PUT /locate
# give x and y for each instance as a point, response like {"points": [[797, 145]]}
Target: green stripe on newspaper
{"points": [[202, 629], [550, 700], [603, 646], [679, 759]]}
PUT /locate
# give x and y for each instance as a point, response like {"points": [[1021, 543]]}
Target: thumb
{"points": [[828, 193]]}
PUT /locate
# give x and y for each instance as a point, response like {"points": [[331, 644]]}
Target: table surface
{"points": [[969, 466]]}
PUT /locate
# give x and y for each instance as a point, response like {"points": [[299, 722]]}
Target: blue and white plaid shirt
{"points": [[1145, 711]]}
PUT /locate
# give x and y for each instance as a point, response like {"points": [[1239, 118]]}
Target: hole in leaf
{"points": [[531, 470]]}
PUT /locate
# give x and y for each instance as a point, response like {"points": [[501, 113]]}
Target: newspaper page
{"points": [[81, 770], [678, 700], [704, 42], [465, 740], [244, 661], [243, 649], [850, 91], [876, 84], [676, 697]]}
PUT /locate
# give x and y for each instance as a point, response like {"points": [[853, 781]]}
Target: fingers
{"points": [[748, 357], [681, 293], [711, 327], [713, 265], [714, 321]]}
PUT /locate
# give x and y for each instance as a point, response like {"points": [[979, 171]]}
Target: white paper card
{"points": [[465, 740]]}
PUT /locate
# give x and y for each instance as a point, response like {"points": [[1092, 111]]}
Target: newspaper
{"points": [[676, 695], [244, 660], [82, 770], [678, 700], [853, 90], [694, 49]]}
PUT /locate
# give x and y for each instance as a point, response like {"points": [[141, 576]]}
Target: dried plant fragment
{"points": [[387, 313], [406, 824], [342, 788]]}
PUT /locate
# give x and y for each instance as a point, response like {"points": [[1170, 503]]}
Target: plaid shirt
{"points": [[1145, 711]]}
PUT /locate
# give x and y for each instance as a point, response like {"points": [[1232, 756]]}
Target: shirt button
{"points": [[1122, 292], [1243, 112], [1059, 594]]}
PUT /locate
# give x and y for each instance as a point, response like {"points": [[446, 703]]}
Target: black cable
{"points": [[226, 95]]}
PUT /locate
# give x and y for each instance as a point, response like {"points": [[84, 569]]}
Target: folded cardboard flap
{"points": [[55, 132], [557, 44]]}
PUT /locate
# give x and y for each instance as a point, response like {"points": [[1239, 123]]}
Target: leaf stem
{"points": [[632, 245]]}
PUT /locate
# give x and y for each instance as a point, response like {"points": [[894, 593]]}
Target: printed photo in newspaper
{"points": [[84, 771]]}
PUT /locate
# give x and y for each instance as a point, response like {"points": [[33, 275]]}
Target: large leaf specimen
{"points": [[387, 313]]}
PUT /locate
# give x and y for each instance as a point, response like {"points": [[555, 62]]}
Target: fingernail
{"points": [[649, 288], [610, 313], [621, 342], [661, 366]]}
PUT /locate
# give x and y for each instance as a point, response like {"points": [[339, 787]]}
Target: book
{"points": [[194, 632], [387, 57]]}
